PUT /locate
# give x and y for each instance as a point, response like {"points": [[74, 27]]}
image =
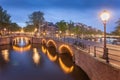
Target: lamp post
{"points": [[5, 31], [105, 17]]}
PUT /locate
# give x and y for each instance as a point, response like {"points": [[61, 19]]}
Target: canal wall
{"points": [[36, 40], [9, 40], [96, 69], [5, 41]]}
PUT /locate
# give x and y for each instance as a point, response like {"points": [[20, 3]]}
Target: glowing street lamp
{"points": [[5, 31], [105, 17], [35, 30]]}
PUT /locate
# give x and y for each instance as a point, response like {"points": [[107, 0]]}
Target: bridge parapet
{"points": [[95, 67], [61, 47]]}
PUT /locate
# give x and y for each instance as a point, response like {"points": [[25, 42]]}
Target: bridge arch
{"points": [[65, 49], [44, 50], [43, 41], [17, 39], [51, 43]]}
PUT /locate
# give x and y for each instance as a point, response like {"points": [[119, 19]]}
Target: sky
{"points": [[83, 11]]}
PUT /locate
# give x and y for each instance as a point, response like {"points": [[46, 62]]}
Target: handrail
{"points": [[97, 51]]}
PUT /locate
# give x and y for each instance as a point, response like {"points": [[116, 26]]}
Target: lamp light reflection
{"points": [[64, 67], [5, 55], [36, 56], [52, 58]]}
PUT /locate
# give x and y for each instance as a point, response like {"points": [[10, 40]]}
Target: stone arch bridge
{"points": [[95, 68], [61, 47]]}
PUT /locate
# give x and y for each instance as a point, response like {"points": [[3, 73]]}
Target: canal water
{"points": [[36, 62]]}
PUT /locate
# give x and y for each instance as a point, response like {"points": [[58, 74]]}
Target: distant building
{"points": [[49, 28]]}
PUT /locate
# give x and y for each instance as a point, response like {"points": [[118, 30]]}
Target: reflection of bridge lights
{"points": [[52, 42], [66, 46], [36, 56], [5, 55], [51, 57], [20, 49], [64, 67], [44, 50]]}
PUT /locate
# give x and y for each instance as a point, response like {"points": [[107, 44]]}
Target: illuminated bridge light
{"points": [[67, 47], [20, 49], [44, 50], [5, 55], [44, 41], [52, 58], [36, 56], [64, 67], [52, 42]]}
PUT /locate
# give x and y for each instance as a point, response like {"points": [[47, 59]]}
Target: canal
{"points": [[36, 62]]}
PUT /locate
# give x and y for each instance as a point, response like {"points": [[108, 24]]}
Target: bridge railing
{"points": [[114, 55], [98, 52], [95, 51]]}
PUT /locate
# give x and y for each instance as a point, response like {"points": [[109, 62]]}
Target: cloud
{"points": [[85, 11], [66, 4]]}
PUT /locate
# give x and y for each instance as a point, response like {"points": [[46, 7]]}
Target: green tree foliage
{"points": [[5, 21], [14, 27], [71, 27], [78, 28], [62, 25], [36, 19], [4, 18], [29, 28], [117, 28]]}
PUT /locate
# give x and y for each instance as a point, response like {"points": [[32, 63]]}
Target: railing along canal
{"points": [[96, 51]]}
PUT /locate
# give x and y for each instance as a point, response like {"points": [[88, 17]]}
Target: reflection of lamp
{"points": [[105, 17], [65, 68], [36, 56], [5, 55], [52, 58]]}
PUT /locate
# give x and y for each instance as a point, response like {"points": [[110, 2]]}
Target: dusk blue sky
{"points": [[84, 11]]}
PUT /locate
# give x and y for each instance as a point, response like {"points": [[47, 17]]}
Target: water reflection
{"points": [[66, 64], [50, 66], [36, 56], [65, 68], [52, 55], [5, 55], [21, 49], [44, 50], [52, 58]]}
